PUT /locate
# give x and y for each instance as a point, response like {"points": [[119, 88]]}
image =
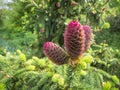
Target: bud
{"points": [[83, 65], [57, 4], [115, 79], [107, 86], [55, 77], [83, 72], [73, 3], [30, 67]]}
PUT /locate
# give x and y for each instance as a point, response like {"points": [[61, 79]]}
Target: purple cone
{"points": [[88, 36], [74, 39], [55, 53]]}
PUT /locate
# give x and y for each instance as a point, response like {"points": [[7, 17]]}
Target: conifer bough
{"points": [[55, 53]]}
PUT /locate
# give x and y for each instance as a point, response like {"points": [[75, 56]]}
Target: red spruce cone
{"points": [[55, 53], [88, 36], [74, 39]]}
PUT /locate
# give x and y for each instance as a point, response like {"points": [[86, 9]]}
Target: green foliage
{"points": [[105, 36], [106, 58], [115, 6], [18, 73], [114, 23], [25, 41]]}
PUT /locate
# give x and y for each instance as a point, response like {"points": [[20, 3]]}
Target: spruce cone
{"points": [[74, 39], [88, 36], [55, 53]]}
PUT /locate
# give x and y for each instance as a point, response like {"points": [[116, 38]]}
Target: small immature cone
{"points": [[55, 53], [88, 36], [74, 39]]}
